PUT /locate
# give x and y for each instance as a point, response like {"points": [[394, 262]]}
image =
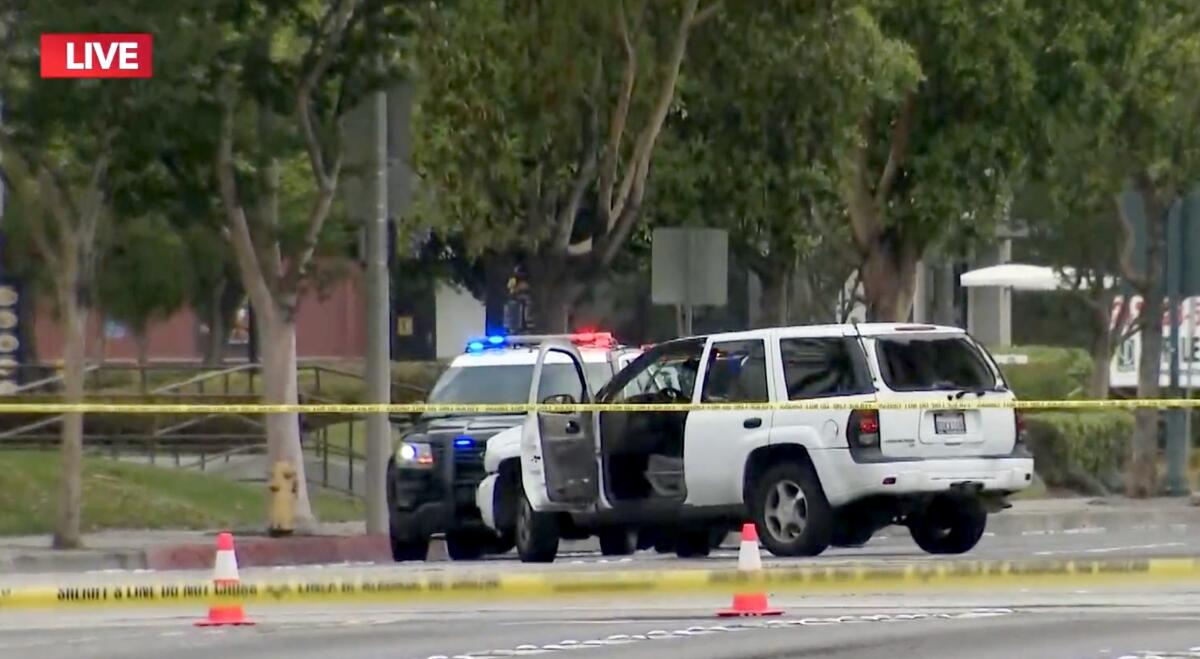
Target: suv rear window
{"points": [[816, 368], [919, 363]]}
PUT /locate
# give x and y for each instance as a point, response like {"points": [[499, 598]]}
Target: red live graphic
{"points": [[97, 55]]}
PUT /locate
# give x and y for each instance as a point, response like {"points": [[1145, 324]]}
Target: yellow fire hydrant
{"points": [[284, 490]]}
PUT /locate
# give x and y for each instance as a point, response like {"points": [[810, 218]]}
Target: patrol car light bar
{"points": [[581, 339]]}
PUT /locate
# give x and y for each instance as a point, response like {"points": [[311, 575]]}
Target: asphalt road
{"points": [[1151, 620]]}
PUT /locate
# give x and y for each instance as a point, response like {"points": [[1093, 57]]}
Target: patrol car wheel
{"points": [[466, 545], [791, 512], [949, 526], [537, 534], [409, 550], [617, 542]]}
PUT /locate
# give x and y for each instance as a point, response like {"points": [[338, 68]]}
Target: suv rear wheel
{"points": [[693, 543], [949, 525], [617, 541], [536, 534], [791, 512]]}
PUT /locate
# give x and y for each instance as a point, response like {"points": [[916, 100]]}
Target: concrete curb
{"points": [[271, 552], [251, 552], [1020, 523]]}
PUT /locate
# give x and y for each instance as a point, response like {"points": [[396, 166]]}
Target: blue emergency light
{"points": [[463, 441]]}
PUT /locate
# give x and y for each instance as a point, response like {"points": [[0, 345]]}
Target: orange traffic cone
{"points": [[749, 560], [225, 575]]}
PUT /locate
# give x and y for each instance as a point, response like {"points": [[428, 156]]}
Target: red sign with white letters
{"points": [[97, 55]]}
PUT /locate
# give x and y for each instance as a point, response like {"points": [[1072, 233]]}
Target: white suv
{"points": [[809, 478]]}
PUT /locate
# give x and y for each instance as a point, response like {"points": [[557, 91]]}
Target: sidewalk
{"points": [[186, 550], [340, 543]]}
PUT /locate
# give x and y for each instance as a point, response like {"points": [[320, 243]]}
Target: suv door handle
{"points": [[753, 422], [572, 428]]}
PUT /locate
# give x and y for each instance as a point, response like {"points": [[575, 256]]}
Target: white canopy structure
{"points": [[1017, 276], [1022, 277]]}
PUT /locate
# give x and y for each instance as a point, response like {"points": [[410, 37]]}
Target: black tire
{"points": [[617, 541], [665, 543], [716, 537], [693, 543], [949, 525], [501, 544], [409, 550], [536, 534], [805, 532], [851, 534], [467, 545]]}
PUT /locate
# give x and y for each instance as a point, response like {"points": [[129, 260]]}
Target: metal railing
{"points": [[189, 443]]}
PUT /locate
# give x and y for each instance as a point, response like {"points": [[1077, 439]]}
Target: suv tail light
{"points": [[863, 430], [1022, 430]]}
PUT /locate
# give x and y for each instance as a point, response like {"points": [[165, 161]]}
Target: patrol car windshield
{"points": [[921, 363], [504, 384]]}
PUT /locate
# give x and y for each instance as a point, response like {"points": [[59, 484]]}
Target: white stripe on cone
{"points": [[225, 567], [749, 557]]}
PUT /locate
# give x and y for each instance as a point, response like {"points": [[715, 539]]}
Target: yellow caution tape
{"points": [[425, 589], [940, 403]]}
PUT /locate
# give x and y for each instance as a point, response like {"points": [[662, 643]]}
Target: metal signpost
{"points": [[689, 268]]}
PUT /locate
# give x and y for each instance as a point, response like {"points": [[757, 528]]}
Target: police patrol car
{"points": [[432, 477], [808, 478]]}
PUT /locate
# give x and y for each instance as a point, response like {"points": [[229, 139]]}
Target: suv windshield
{"points": [[505, 384], [917, 363]]}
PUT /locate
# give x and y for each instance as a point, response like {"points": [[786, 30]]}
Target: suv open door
{"points": [[559, 467]]}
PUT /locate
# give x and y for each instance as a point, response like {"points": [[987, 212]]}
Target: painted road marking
{"points": [[1108, 550], [572, 645]]}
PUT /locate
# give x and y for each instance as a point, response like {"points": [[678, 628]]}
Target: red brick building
{"points": [[329, 326]]}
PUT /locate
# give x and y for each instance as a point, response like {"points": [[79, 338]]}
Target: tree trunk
{"points": [[219, 313], [945, 311], [141, 338], [553, 299], [889, 277], [1102, 344], [1101, 350], [1143, 467], [497, 269], [27, 308], [74, 319], [277, 347], [773, 308]]}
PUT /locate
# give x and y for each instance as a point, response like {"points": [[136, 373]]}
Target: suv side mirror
{"points": [[559, 399]]}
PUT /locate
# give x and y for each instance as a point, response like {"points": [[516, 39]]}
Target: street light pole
{"points": [[378, 304]]}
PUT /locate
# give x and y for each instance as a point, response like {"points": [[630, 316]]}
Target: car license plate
{"points": [[950, 423]]}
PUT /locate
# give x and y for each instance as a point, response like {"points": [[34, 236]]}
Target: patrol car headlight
{"points": [[414, 454]]}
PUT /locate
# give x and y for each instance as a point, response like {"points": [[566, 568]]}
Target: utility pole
{"points": [[1176, 421], [378, 304]]}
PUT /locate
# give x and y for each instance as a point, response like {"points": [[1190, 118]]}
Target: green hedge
{"points": [[1051, 373], [1081, 450]]}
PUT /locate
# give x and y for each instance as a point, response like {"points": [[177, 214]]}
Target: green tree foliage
{"points": [[763, 122], [536, 127], [69, 147], [1121, 81], [144, 275], [936, 161]]}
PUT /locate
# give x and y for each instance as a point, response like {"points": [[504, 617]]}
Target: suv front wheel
{"points": [[949, 525], [536, 534], [791, 512]]}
